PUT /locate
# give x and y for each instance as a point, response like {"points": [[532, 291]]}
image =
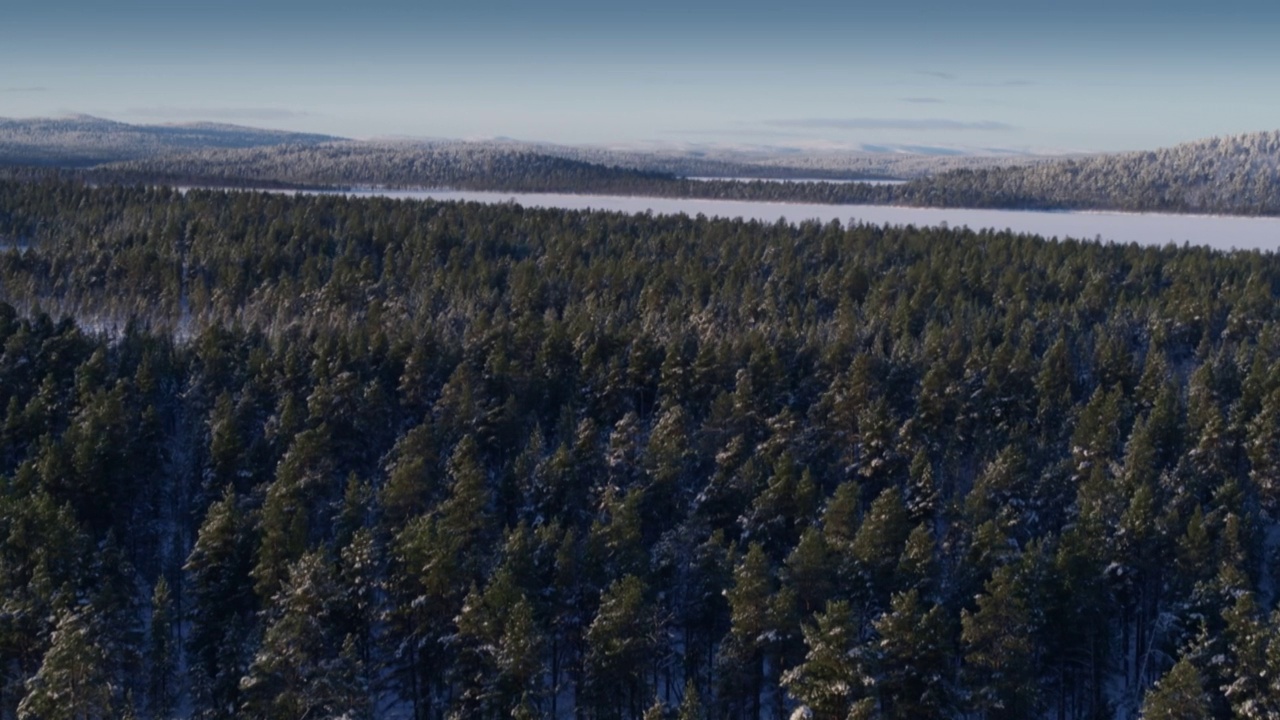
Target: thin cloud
{"points": [[758, 133], [889, 124], [217, 113], [922, 100], [26, 89], [938, 74], [1003, 83]]}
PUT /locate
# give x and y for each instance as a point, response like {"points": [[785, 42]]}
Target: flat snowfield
{"points": [[1222, 232]]}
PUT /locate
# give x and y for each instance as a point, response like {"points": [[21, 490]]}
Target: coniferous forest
{"points": [[275, 456], [1234, 175]]}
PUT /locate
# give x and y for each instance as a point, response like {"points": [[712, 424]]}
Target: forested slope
{"points": [[85, 141], [1237, 175], [396, 164], [81, 141], [296, 457], [780, 163]]}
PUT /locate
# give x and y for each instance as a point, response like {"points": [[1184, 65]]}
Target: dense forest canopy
{"points": [[276, 456]]}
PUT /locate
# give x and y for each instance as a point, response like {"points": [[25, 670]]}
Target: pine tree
{"points": [[161, 656], [842, 515], [668, 461], [499, 651], [304, 668], [73, 681], [426, 590], [742, 655], [913, 660], [922, 491], [221, 602], [917, 566], [617, 542], [226, 444], [620, 641], [465, 514], [411, 484], [690, 703], [290, 513], [1179, 695], [998, 650], [831, 677], [520, 655], [1251, 669], [808, 571], [1263, 445], [879, 543]]}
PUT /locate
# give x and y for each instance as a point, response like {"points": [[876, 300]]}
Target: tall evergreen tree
{"points": [[1179, 695], [73, 682], [162, 656]]}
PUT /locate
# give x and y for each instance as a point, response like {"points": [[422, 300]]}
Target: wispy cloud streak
{"points": [[217, 113], [861, 123]]}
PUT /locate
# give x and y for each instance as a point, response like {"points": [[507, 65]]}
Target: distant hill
{"points": [[779, 162], [456, 163], [86, 141], [477, 166], [1232, 175], [1238, 175]]}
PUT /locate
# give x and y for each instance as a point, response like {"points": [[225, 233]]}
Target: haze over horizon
{"points": [[994, 74]]}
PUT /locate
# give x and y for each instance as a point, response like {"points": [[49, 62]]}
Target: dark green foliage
{"points": [[1179, 695], [304, 668], [73, 682], [378, 458], [833, 674], [162, 653]]}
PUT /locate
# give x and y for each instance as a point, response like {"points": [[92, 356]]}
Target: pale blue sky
{"points": [[1086, 75]]}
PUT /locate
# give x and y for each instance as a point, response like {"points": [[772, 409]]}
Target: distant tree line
{"points": [[1235, 175], [778, 164]]}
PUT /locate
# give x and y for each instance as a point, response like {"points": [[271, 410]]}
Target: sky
{"points": [[1000, 75]]}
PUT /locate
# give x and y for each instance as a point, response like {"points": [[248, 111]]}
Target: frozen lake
{"points": [[1217, 231], [801, 180]]}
